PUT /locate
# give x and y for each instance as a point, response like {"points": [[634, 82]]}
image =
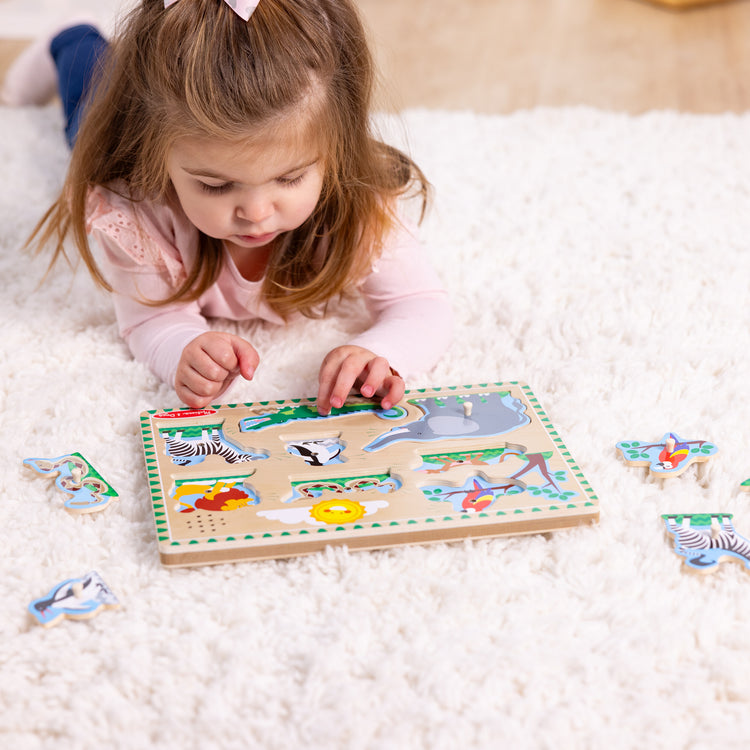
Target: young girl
{"points": [[225, 168]]}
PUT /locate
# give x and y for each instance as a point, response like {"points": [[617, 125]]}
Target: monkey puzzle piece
{"points": [[77, 599], [76, 477], [668, 458], [707, 539]]}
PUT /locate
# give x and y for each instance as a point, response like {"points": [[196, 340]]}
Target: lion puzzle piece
{"points": [[76, 598], [76, 477], [670, 457], [707, 539]]}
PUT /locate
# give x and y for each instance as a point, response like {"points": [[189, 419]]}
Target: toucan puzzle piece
{"points": [[276, 479], [669, 457], [76, 598], [88, 491], [707, 539]]}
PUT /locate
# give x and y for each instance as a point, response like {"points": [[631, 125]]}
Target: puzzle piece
{"points": [[228, 494], [707, 539], [668, 458], [476, 494], [190, 449], [448, 417], [77, 478], [318, 451], [77, 598]]}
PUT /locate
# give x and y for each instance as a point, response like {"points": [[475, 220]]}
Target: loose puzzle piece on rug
{"points": [[76, 599], [669, 457], [276, 479], [707, 539], [86, 489]]}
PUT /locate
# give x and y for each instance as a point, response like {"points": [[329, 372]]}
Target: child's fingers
{"points": [[344, 367], [210, 363], [192, 400], [226, 354], [247, 357], [395, 389], [338, 374], [193, 390], [376, 372]]}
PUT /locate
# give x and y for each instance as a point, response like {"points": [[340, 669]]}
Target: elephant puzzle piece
{"points": [[76, 598], [277, 479], [88, 492], [707, 539], [668, 458]]}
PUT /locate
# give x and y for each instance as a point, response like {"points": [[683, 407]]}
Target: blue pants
{"points": [[77, 52]]}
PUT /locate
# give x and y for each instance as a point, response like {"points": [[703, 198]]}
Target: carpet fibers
{"points": [[603, 259]]}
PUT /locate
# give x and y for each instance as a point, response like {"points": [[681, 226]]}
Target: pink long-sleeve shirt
{"points": [[145, 248]]}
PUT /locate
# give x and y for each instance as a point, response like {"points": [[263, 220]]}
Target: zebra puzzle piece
{"points": [[77, 478], [77, 598], [668, 458], [707, 539]]}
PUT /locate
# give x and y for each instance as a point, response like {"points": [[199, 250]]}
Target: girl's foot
{"points": [[32, 78]]}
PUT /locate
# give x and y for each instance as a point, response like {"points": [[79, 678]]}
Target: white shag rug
{"points": [[600, 257]]}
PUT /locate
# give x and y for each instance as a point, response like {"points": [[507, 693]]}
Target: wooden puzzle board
{"points": [[275, 479]]}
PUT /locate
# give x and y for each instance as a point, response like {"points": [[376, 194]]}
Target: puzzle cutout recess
{"points": [[276, 479]]}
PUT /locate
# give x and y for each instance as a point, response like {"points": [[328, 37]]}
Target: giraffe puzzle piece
{"points": [[668, 458], [77, 598], [77, 478], [707, 539]]}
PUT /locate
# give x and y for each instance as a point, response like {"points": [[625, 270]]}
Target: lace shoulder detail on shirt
{"points": [[115, 218]]}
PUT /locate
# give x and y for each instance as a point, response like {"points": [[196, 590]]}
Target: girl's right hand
{"points": [[209, 364]]}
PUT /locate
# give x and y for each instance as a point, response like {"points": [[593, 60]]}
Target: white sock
{"points": [[32, 77]]}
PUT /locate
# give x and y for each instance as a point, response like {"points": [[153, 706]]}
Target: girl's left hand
{"points": [[347, 367]]}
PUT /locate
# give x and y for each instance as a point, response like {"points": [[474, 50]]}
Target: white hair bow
{"points": [[243, 8]]}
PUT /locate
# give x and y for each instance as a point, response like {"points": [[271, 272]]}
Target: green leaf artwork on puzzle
{"points": [[307, 412]]}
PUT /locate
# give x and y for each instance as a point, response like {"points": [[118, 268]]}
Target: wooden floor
{"points": [[503, 55]]}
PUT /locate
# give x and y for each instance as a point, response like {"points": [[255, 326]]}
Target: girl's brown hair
{"points": [[196, 69]]}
